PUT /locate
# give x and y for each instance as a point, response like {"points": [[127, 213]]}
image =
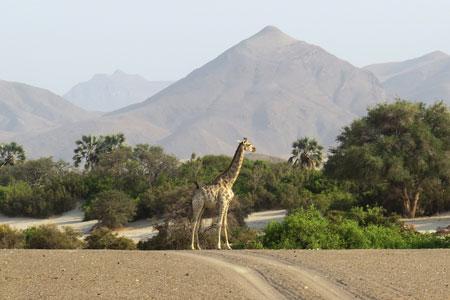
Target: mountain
{"points": [[426, 78], [270, 88], [28, 109], [110, 92]]}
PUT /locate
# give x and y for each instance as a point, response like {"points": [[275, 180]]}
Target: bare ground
{"points": [[263, 274]]}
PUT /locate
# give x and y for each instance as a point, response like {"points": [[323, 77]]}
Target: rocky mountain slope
{"points": [[110, 92], [270, 88], [426, 78], [28, 109]]}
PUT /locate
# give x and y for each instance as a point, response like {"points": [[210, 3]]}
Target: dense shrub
{"points": [[113, 208], [309, 229], [50, 237], [174, 236], [302, 229], [104, 238], [21, 199], [10, 238]]}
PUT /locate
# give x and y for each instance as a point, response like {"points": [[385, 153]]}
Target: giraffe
{"points": [[218, 192]]}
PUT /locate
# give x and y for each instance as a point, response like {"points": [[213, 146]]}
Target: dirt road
{"points": [[350, 274]]}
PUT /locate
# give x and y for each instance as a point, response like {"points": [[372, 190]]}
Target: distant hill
{"points": [[426, 78], [110, 92], [270, 88], [28, 109]]}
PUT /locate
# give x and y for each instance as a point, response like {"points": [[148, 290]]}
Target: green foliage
{"points": [[173, 236], [113, 208], [10, 154], [104, 238], [302, 229], [50, 237], [397, 156], [89, 148], [10, 238], [306, 154], [39, 188], [358, 229]]}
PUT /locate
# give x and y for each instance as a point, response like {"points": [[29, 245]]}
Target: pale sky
{"points": [[57, 43]]}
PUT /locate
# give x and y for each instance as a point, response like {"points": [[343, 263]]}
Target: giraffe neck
{"points": [[230, 175]]}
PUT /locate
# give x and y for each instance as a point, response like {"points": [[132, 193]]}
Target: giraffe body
{"points": [[218, 193]]}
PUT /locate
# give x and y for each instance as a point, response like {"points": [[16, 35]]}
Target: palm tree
{"points": [[306, 154], [90, 147], [11, 153], [87, 150]]}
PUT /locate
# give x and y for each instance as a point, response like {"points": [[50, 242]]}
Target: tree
{"points": [[306, 154], [395, 152], [90, 147], [153, 162], [113, 208], [11, 153]]}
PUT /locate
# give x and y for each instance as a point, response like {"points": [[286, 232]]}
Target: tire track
{"points": [[258, 287], [290, 281]]}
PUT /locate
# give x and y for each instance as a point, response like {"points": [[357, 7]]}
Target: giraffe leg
{"points": [[198, 228], [220, 220], [197, 206], [225, 227]]}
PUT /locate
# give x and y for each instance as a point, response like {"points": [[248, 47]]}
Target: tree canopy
{"points": [[396, 154]]}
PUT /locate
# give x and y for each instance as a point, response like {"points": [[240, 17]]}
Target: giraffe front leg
{"points": [[225, 225], [220, 222]]}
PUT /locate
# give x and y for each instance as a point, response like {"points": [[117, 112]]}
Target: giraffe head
{"points": [[247, 145]]}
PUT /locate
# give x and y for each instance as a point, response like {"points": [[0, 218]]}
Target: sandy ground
{"points": [[429, 224], [262, 274]]}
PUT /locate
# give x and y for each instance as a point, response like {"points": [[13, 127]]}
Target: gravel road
{"points": [[252, 274]]}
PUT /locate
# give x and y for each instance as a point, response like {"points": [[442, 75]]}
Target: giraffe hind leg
{"points": [[199, 224], [197, 207]]}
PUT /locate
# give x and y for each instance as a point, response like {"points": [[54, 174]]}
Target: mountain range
{"points": [[29, 109], [106, 93], [270, 88], [426, 78]]}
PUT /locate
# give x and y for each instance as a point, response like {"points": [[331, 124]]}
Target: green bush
{"points": [[302, 229], [358, 229], [10, 238], [173, 236], [382, 237], [352, 236], [21, 199], [104, 238], [113, 208], [50, 237]]}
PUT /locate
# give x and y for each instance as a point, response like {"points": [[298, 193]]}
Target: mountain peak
{"points": [[271, 29], [270, 35]]}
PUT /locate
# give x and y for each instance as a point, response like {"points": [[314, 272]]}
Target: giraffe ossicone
{"points": [[220, 192]]}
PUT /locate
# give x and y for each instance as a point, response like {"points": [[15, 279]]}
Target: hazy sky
{"points": [[58, 43]]}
